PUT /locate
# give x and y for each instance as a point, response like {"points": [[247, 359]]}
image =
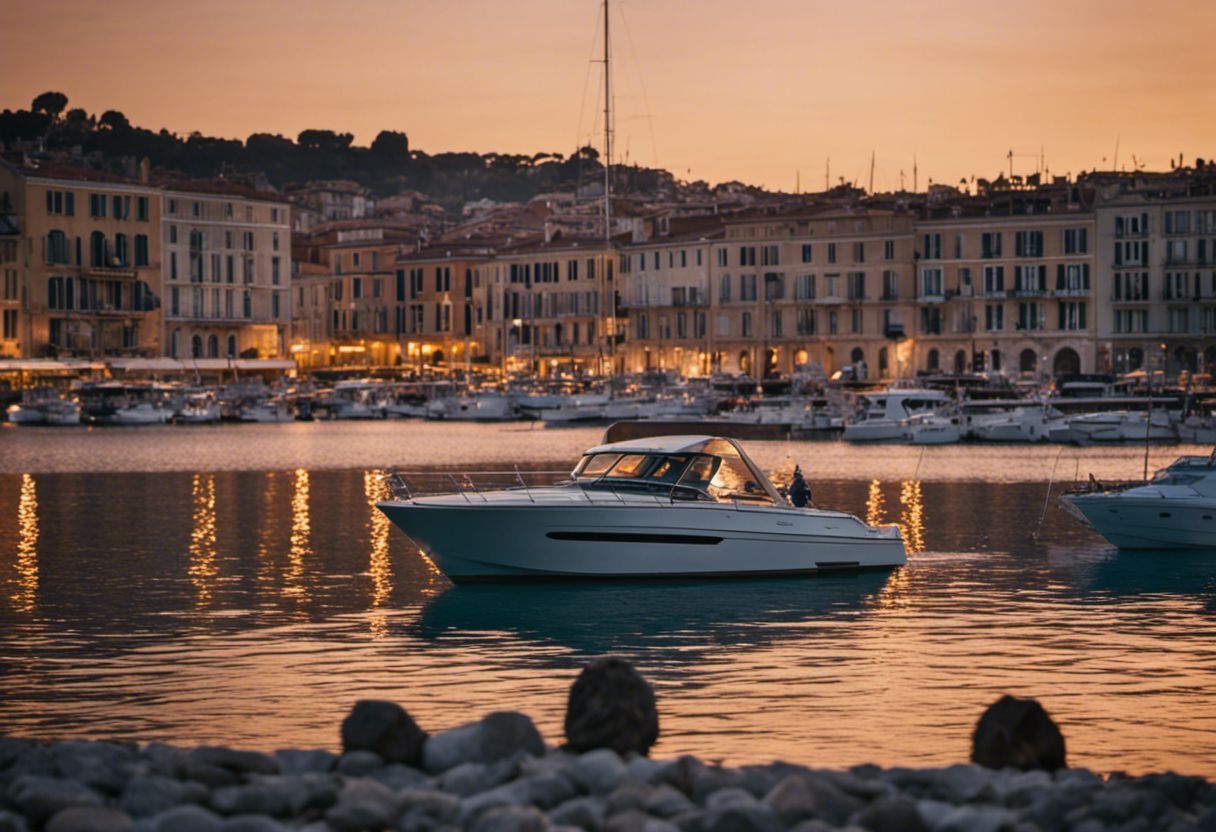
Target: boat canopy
{"points": [[715, 466]]}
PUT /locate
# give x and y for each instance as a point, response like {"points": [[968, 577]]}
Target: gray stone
{"points": [[891, 814], [511, 819], [359, 763], [39, 797], [730, 796], [425, 809], [10, 822], [600, 771], [498, 736], [89, 819], [147, 796], [977, 819], [933, 812], [252, 823], [631, 820], [1017, 733], [643, 769], [364, 804], [211, 776], [244, 762], [805, 796], [187, 819], [102, 766], [466, 779], [963, 783], [276, 796], [397, 776], [507, 795], [311, 761], [628, 796], [742, 817], [667, 802], [547, 789], [583, 812], [611, 706], [384, 728]]}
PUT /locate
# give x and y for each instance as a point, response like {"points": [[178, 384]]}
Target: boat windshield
{"points": [[666, 472]]}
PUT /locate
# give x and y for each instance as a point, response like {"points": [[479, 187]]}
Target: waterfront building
{"points": [[554, 306], [441, 305], [322, 202], [345, 285], [1156, 273], [1005, 284], [226, 271], [813, 288], [84, 278], [665, 296]]}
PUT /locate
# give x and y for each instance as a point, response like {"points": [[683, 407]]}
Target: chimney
{"points": [[145, 169], [548, 231]]}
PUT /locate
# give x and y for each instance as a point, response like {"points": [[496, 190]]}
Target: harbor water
{"points": [[235, 585]]}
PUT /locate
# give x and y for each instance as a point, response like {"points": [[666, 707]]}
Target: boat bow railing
{"points": [[408, 485]]}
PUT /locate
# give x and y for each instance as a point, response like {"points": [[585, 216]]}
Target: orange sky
{"points": [[712, 89]]}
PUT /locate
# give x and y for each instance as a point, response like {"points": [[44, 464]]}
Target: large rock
{"points": [[1017, 733], [611, 706], [364, 804], [385, 729], [39, 798], [498, 736], [805, 797], [599, 771]]}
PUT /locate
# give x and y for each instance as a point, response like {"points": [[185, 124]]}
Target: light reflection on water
{"points": [[252, 608]]}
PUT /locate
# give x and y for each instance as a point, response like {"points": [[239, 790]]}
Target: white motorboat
{"points": [[1123, 426], [1198, 429], [667, 506], [883, 414], [199, 409], [482, 407], [275, 409], [585, 407], [26, 414], [141, 413], [931, 429], [62, 412], [1013, 420], [1175, 509]]}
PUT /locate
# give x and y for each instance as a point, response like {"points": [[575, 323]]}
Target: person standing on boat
{"points": [[800, 492]]}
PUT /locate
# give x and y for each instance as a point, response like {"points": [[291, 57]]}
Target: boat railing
{"points": [[473, 486], [1096, 486]]}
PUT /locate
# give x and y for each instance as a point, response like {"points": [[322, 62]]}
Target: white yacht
{"points": [[1006, 420], [1175, 509], [1123, 426], [479, 407], [271, 409], [883, 415], [62, 412], [584, 407], [667, 506], [142, 413], [199, 408], [931, 429]]}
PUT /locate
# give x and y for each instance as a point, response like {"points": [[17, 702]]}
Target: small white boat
{"points": [[1198, 430], [883, 414], [1123, 426], [26, 414], [668, 506], [1014, 420], [931, 429], [141, 413], [199, 409], [62, 413], [585, 407], [481, 407], [1175, 509], [274, 409]]}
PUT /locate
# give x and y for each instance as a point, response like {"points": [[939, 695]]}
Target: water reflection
{"points": [[1171, 572], [203, 568], [301, 529], [874, 504], [669, 621], [912, 516], [379, 565], [26, 591]]}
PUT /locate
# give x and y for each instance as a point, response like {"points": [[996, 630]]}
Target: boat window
{"points": [[668, 469], [596, 465], [734, 479], [630, 466], [700, 472]]}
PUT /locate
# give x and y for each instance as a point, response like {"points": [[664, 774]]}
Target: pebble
{"points": [[804, 796], [427, 809], [89, 819], [364, 804], [498, 736], [512, 819], [359, 763], [187, 819], [38, 797], [600, 771], [245, 762], [151, 795], [583, 812], [305, 761]]}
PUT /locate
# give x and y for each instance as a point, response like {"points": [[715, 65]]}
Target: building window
{"points": [[1076, 241], [933, 246], [747, 324], [888, 249], [275, 271], [990, 245], [724, 289], [141, 209], [931, 282], [1028, 244], [890, 285], [994, 317]]}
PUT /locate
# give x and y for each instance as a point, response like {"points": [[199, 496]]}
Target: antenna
{"points": [[871, 188], [797, 181], [608, 188], [827, 175], [915, 175], [1115, 164]]}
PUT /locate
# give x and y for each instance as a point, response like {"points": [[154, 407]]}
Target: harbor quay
{"points": [[499, 774]]}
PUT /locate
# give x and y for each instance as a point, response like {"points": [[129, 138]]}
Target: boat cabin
{"points": [[708, 468]]}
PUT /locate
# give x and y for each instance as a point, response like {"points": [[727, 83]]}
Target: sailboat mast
{"points": [[608, 191]]}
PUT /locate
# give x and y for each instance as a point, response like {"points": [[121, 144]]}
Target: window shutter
{"points": [[1059, 277]]}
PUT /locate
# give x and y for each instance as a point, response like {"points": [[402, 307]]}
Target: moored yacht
{"points": [[883, 415], [668, 506], [1177, 508]]}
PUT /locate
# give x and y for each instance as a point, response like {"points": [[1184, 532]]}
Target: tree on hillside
{"points": [[51, 103], [324, 140], [391, 146], [113, 120]]}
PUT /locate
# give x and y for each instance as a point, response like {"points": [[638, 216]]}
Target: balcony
{"points": [[1030, 293], [1071, 293], [931, 297], [893, 330], [829, 300], [994, 294]]}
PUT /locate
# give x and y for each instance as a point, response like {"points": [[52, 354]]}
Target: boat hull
{"points": [[1148, 522], [521, 541]]}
